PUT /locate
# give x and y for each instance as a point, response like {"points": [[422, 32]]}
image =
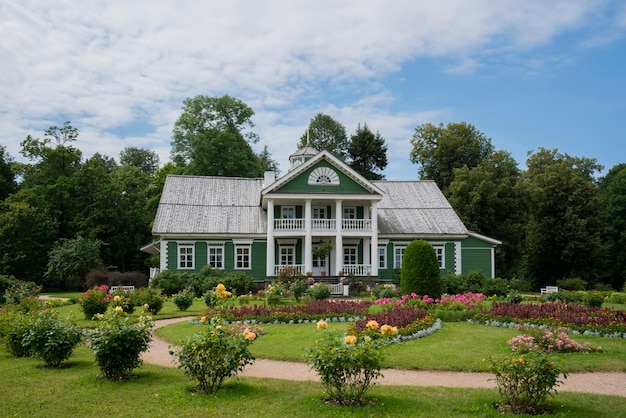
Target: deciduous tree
{"points": [[367, 153], [613, 194], [325, 133]]}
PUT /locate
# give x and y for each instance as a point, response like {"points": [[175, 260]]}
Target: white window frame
{"points": [[243, 259], [290, 254], [186, 254], [288, 210], [398, 253], [440, 250], [319, 210], [382, 257], [350, 211], [218, 249], [350, 254]]}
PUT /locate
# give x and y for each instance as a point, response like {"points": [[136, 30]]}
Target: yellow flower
{"points": [[350, 339], [99, 316], [119, 310], [203, 319], [322, 324], [387, 330], [117, 298], [221, 287], [372, 325], [249, 335]]}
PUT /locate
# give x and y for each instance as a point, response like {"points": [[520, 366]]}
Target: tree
{"points": [[211, 138], [268, 164], [612, 189], [420, 270], [563, 231], [70, 260], [145, 160], [7, 176], [367, 153], [26, 235], [325, 133], [439, 150], [490, 200]]}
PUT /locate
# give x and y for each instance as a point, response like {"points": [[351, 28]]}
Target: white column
{"points": [[270, 252], [338, 239], [308, 242], [163, 259], [374, 245]]}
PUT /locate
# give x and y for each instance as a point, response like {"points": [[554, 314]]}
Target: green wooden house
{"points": [[262, 225]]}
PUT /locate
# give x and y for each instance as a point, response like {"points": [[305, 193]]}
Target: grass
{"points": [[439, 351], [28, 389]]}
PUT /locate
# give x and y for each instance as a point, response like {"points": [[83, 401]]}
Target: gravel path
{"points": [[600, 383]]}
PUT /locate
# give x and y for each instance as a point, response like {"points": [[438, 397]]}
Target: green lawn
{"points": [[28, 389], [439, 351]]}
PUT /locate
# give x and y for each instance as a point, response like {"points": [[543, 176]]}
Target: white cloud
{"points": [[108, 64]]}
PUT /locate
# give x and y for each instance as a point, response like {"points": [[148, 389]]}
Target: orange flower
{"points": [[203, 319], [249, 335], [322, 324], [350, 339], [388, 330], [372, 325]]}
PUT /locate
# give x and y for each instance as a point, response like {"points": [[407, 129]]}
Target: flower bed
{"points": [[580, 319], [465, 301], [310, 311], [410, 323]]}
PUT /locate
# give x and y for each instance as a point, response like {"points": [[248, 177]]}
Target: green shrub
{"points": [[319, 291], [524, 381], [274, 294], [169, 282], [183, 300], [593, 299], [238, 282], [14, 324], [420, 270], [95, 301], [617, 297], [151, 299], [298, 288], [123, 300], [496, 287], [574, 283], [475, 281], [347, 366], [52, 339], [453, 284], [383, 291], [5, 282], [288, 274], [117, 343], [20, 290], [514, 297], [211, 356], [211, 298]]}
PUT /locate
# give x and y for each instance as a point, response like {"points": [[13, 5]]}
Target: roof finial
{"points": [[308, 141]]}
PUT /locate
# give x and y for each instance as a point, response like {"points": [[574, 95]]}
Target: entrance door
{"points": [[319, 265]]}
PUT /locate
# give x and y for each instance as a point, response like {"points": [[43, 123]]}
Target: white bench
{"points": [[114, 289], [549, 289]]}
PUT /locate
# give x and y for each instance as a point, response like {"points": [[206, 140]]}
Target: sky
{"points": [[527, 74]]}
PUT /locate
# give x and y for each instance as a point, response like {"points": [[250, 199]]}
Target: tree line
{"points": [[62, 215]]}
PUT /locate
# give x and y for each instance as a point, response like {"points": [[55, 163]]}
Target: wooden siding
{"points": [[300, 183]]}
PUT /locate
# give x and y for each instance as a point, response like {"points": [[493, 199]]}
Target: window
{"points": [[242, 257], [349, 213], [398, 253], [323, 176], [216, 257], [382, 257], [349, 256], [288, 212], [185, 256], [287, 257], [319, 213], [440, 255]]}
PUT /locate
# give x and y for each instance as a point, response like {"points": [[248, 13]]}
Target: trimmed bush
{"points": [[319, 291], [52, 339], [593, 299], [118, 342], [152, 298], [420, 270], [574, 283], [95, 301], [183, 300]]}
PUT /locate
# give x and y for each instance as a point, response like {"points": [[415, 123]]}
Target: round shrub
{"points": [[238, 282], [118, 342], [20, 290], [298, 288], [496, 287], [211, 356], [183, 300], [14, 325], [593, 299], [319, 291], [95, 301], [420, 270], [383, 291], [123, 300], [169, 282], [573, 283], [52, 339], [151, 299]]}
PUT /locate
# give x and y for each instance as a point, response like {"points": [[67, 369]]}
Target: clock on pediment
{"points": [[324, 176]]}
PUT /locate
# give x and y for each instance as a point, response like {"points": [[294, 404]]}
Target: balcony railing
{"points": [[298, 267], [357, 269], [323, 224]]}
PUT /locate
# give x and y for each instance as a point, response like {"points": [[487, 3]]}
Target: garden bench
{"points": [[124, 288], [549, 289]]}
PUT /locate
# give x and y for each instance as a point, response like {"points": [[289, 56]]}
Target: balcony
{"points": [[323, 224]]}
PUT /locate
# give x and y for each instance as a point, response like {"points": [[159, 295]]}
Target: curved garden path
{"points": [[601, 383]]}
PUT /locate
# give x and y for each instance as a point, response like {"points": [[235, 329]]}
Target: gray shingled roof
{"points": [[416, 208], [210, 205], [225, 205]]}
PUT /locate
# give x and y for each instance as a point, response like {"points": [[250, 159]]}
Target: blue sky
{"points": [[527, 74]]}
